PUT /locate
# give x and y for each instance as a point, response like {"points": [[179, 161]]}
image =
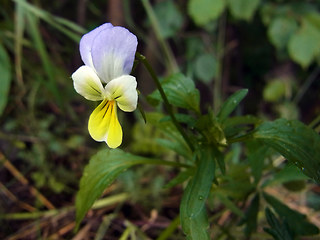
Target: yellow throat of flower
{"points": [[104, 125]]}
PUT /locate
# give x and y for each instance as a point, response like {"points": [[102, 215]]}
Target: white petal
{"points": [[123, 90], [87, 83]]}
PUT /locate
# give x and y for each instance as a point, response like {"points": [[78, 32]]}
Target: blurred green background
{"points": [[271, 47]]}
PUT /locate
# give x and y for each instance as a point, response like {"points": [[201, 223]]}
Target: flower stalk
{"points": [[168, 106]]}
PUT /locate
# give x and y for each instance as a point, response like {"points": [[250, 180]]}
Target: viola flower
{"points": [[108, 53]]}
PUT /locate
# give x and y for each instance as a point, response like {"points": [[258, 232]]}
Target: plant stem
{"points": [[172, 64], [170, 229], [100, 203], [19, 30], [240, 139], [129, 20], [217, 89], [165, 99], [315, 122], [306, 85]]}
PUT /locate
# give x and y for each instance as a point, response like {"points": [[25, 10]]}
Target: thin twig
{"points": [[14, 137], [13, 198], [84, 231], [62, 231], [18, 175]]}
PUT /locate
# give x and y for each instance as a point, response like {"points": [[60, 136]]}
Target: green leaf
{"points": [[67, 27], [230, 104], [206, 67], [267, 12], [278, 230], [287, 109], [5, 78], [229, 203], [237, 183], [174, 139], [295, 141], [180, 91], [243, 9], [55, 185], [302, 8], [295, 185], [211, 129], [234, 125], [251, 215], [175, 146], [280, 30], [180, 178], [102, 170], [220, 160], [241, 120], [192, 209], [256, 161], [287, 174], [313, 18], [297, 222], [195, 46], [171, 18], [204, 11], [182, 118], [143, 139], [40, 46], [196, 227], [304, 45], [274, 90]]}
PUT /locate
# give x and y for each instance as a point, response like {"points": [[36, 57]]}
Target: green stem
{"points": [[170, 229], [172, 64], [241, 138], [165, 99], [315, 122], [303, 89], [35, 215], [19, 30], [217, 89], [129, 20], [100, 203]]}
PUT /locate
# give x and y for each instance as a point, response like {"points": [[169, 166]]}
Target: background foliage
{"points": [[204, 51]]}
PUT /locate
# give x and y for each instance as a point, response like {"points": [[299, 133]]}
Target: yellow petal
{"points": [[104, 125], [98, 122], [114, 138]]}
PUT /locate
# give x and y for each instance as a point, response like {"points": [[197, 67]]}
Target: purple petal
{"points": [[86, 43], [113, 53]]}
